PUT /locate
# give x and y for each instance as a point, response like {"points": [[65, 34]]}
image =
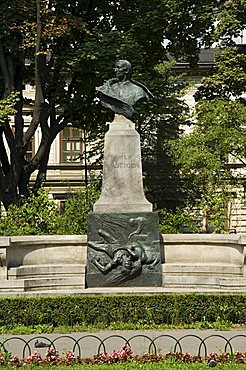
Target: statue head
{"points": [[123, 69]]}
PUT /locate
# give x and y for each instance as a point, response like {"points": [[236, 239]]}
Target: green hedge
{"points": [[146, 309]]}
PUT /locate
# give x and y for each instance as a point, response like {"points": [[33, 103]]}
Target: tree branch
{"points": [[19, 121], [89, 10], [7, 71], [41, 176], [35, 162], [239, 159], [39, 77], [2, 176], [3, 155], [38, 57], [9, 136]]}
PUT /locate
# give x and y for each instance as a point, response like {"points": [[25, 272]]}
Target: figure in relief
{"points": [[125, 259]]}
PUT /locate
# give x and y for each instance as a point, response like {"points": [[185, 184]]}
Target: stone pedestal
{"points": [[123, 250], [123, 237], [122, 187]]}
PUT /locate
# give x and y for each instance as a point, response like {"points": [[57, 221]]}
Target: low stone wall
{"points": [[40, 263], [204, 261], [192, 262], [46, 250]]}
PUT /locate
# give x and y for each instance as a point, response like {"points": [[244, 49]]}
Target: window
{"points": [[29, 150], [71, 145]]}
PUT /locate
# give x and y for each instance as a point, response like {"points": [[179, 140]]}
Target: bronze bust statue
{"points": [[121, 93]]}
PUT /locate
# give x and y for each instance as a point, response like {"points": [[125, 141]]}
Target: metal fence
{"points": [[88, 345]]}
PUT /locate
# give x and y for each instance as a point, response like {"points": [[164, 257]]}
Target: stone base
{"points": [[122, 185], [123, 250]]}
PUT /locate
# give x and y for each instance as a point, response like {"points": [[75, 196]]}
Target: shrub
{"points": [[177, 222], [77, 208], [36, 216], [133, 309], [39, 215]]}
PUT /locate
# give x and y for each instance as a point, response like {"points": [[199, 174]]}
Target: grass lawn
{"points": [[65, 329], [136, 366]]}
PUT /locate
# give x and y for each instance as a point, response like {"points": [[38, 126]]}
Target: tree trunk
{"points": [[3, 155]]}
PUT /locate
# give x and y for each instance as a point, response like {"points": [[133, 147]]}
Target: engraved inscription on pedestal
{"points": [[123, 250], [124, 161]]}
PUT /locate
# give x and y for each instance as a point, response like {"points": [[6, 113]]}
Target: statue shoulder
{"points": [[146, 92]]}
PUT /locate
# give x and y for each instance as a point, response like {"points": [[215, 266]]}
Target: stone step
{"points": [[215, 270], [235, 283], [39, 271], [204, 282], [57, 283], [11, 286], [186, 281], [40, 284]]}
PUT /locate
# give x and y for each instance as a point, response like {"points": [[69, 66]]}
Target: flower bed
{"points": [[123, 354]]}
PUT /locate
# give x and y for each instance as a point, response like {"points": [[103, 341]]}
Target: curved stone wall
{"points": [[190, 262], [205, 248], [204, 261], [46, 250]]}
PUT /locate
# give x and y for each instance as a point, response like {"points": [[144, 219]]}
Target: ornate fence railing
{"points": [[89, 345]]}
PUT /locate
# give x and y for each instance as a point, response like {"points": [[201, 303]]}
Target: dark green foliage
{"points": [[36, 216], [208, 158], [157, 122], [145, 309], [77, 208], [7, 107], [227, 77], [39, 215], [72, 47], [178, 222]]}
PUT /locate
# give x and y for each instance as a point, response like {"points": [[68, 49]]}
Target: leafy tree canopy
{"points": [[212, 155], [66, 48]]}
